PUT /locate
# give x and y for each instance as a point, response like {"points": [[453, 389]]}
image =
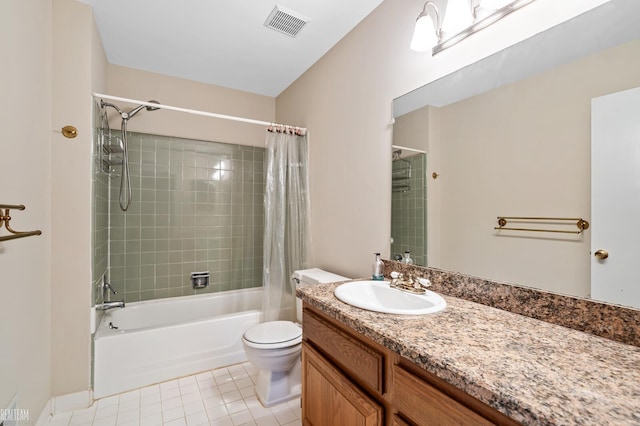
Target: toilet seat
{"points": [[273, 335]]}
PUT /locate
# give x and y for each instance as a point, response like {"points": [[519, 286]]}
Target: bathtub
{"points": [[163, 339]]}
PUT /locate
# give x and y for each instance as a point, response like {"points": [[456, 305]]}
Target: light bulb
{"points": [[457, 16], [424, 35]]}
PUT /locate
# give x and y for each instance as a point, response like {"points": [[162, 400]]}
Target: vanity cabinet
{"points": [[341, 375], [348, 379], [333, 398]]}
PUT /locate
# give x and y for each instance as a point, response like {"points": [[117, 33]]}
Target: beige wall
{"points": [[141, 85], [79, 68], [45, 350], [345, 101], [524, 150], [25, 283], [411, 130]]}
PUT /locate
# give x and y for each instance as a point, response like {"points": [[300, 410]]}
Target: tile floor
{"points": [[222, 397]]}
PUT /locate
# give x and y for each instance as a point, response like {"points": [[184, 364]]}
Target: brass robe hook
{"points": [[69, 132]]}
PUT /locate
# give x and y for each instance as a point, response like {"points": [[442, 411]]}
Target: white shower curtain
{"points": [[286, 236]]}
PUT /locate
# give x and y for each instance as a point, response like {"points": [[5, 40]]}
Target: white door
{"points": [[615, 198]]}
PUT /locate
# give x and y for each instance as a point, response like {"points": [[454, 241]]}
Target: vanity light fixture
{"points": [[458, 15], [428, 30], [444, 23]]}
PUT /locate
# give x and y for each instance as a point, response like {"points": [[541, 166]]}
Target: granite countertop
{"points": [[535, 372]]}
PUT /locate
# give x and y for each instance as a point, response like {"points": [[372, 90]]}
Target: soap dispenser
{"points": [[407, 258], [377, 269]]}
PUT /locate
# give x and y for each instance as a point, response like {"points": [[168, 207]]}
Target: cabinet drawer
{"points": [[362, 362], [424, 404]]}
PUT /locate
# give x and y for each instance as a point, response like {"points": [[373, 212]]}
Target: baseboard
{"points": [[45, 414], [56, 405], [72, 401]]}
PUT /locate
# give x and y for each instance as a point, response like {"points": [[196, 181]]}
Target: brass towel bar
{"points": [[579, 222], [6, 217]]}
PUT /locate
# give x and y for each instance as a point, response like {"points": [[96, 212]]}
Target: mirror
{"points": [[510, 136]]}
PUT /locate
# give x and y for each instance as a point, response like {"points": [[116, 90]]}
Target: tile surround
{"points": [[197, 206], [408, 215], [100, 216]]}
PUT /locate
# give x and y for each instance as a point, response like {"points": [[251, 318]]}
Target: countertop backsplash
{"points": [[614, 322]]}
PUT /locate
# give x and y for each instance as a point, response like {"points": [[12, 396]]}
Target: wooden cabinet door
{"points": [[330, 399]]}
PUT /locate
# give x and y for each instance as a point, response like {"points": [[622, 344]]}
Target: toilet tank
{"points": [[312, 276]]}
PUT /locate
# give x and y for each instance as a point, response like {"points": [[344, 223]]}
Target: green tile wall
{"points": [[99, 223], [196, 206], [408, 211]]}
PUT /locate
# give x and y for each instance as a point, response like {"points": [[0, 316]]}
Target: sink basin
{"points": [[379, 297]]}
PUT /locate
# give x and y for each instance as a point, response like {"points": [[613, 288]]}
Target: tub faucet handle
{"points": [[107, 290], [107, 287]]}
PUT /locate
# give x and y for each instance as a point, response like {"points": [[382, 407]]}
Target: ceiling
{"points": [[223, 42]]}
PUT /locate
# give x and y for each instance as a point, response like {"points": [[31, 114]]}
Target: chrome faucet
{"points": [[408, 284], [106, 298], [110, 305], [106, 288]]}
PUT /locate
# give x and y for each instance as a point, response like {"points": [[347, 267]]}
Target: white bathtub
{"points": [[163, 339]]}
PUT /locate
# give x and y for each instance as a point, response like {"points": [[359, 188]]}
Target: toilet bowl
{"points": [[274, 347]]}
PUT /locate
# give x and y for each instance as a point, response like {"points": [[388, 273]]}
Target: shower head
{"points": [[140, 107], [150, 108], [125, 178]]}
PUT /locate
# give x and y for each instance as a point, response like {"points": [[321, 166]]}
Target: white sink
{"points": [[379, 297]]}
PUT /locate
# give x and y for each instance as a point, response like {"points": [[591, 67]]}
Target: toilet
{"points": [[274, 347]]}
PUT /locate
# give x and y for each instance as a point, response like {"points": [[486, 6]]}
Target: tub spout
{"points": [[110, 305]]}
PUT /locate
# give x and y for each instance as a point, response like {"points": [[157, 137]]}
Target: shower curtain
{"points": [[286, 236]]}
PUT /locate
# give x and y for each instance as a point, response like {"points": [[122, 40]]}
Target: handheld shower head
{"points": [[125, 179], [139, 108]]}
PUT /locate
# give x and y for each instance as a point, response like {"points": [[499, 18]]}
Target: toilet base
{"points": [[274, 388]]}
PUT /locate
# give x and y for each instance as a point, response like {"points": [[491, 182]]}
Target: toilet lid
{"points": [[272, 332]]}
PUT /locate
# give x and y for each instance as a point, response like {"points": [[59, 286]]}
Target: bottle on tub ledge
{"points": [[377, 269], [407, 258]]}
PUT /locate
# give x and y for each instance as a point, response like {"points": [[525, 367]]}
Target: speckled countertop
{"points": [[535, 372]]}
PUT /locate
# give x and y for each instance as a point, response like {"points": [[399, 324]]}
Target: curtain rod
{"points": [[193, 111]]}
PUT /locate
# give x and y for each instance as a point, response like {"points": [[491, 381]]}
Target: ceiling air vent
{"points": [[286, 21]]}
